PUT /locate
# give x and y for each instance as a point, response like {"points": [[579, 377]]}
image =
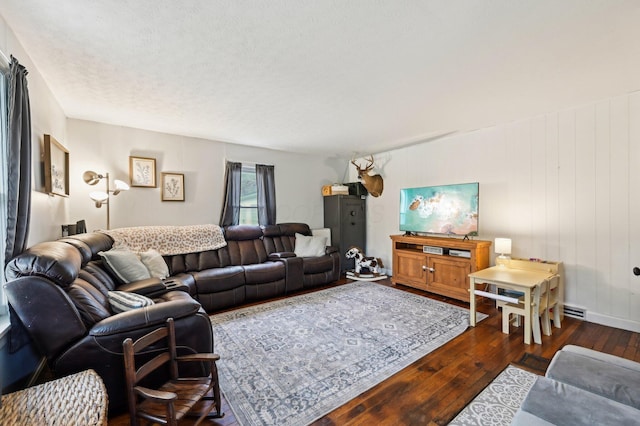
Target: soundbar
{"points": [[432, 250]]}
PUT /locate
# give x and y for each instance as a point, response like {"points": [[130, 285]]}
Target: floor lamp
{"points": [[100, 197]]}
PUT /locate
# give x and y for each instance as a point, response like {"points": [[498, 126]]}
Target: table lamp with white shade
{"points": [[503, 248]]}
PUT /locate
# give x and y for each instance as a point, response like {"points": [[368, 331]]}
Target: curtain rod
{"points": [[244, 163]]}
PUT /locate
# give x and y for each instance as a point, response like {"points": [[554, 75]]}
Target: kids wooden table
{"points": [[521, 275]]}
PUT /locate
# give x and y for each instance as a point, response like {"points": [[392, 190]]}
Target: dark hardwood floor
{"points": [[432, 390]]}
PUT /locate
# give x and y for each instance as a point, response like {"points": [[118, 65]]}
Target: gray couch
{"points": [[584, 387]]}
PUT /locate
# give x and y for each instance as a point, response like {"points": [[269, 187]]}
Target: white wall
{"points": [[564, 186], [106, 148], [47, 212]]}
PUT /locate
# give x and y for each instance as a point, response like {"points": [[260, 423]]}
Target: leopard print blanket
{"points": [[168, 240]]}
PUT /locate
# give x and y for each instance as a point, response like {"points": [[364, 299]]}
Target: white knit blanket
{"points": [[168, 240]]}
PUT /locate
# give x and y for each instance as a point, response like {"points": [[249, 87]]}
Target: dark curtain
{"points": [[265, 182], [231, 210], [19, 180], [19, 161]]}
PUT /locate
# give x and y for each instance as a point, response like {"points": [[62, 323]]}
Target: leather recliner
{"points": [[237, 273], [59, 289], [280, 242]]}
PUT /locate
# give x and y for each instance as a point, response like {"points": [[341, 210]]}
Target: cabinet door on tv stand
{"points": [[448, 276], [410, 269]]}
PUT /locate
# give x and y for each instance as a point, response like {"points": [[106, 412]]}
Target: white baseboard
{"points": [[624, 324]]}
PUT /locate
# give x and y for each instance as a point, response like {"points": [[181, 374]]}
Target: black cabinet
{"points": [[345, 215]]}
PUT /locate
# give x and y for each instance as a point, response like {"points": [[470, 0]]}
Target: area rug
{"points": [[497, 403], [292, 361]]}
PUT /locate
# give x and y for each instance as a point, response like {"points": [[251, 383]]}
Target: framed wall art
{"points": [[172, 186], [56, 167], [142, 171]]}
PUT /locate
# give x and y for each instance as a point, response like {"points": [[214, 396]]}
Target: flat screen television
{"points": [[443, 209]]}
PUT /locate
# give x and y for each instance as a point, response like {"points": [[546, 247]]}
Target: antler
{"points": [[370, 165], [367, 168]]}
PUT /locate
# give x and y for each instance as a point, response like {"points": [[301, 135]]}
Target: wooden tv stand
{"points": [[417, 263]]}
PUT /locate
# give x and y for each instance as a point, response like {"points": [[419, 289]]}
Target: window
{"points": [[248, 196]]}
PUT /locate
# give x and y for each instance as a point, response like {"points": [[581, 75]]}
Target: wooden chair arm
{"points": [[156, 395], [199, 357]]}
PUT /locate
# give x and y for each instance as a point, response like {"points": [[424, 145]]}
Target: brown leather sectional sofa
{"points": [[59, 292], [257, 263]]}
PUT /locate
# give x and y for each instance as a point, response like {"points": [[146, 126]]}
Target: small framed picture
{"points": [[172, 186], [56, 167], [142, 171]]}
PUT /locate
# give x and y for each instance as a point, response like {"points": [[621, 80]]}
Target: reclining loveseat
{"points": [[61, 292]]}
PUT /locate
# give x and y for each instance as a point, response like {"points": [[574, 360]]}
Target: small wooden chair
{"points": [[538, 300], [549, 306], [174, 399]]}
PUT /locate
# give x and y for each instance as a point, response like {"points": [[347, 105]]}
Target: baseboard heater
{"points": [[575, 312]]}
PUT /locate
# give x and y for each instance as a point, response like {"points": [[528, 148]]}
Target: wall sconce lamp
{"points": [[503, 247], [100, 197]]}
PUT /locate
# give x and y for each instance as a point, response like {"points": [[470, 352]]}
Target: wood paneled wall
{"points": [[564, 186]]}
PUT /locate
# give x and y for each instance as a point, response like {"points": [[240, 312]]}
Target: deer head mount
{"points": [[374, 184]]}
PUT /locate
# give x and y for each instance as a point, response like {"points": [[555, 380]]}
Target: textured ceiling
{"points": [[327, 76]]}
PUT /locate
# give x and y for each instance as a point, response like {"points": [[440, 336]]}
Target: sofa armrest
{"points": [[294, 270], [154, 287], [550, 402], [281, 255], [144, 287], [606, 375], [175, 284], [331, 249], [144, 317], [613, 359], [47, 313]]}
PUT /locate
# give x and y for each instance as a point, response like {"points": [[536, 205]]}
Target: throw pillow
{"points": [[154, 262], [122, 301], [125, 265], [310, 246]]}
